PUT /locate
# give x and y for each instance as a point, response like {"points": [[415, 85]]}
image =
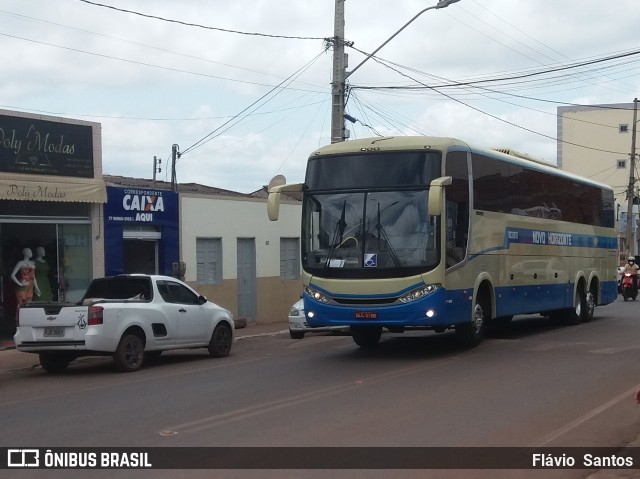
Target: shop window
{"points": [[209, 260], [75, 256]]}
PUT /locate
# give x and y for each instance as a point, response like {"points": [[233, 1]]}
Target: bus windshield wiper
{"points": [[383, 234], [338, 233]]}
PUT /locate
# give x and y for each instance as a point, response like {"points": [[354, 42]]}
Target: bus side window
{"points": [[457, 207]]}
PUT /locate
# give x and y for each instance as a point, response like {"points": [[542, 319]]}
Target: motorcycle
{"points": [[629, 286]]}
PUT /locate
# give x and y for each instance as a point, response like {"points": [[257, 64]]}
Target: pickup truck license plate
{"points": [[366, 315], [53, 332]]}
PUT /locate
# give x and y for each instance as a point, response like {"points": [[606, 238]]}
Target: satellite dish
{"points": [[277, 180]]}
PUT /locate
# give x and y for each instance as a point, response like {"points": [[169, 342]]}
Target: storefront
{"points": [[141, 231], [51, 192]]}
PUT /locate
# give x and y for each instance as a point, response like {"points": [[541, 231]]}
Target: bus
{"points": [[403, 233]]}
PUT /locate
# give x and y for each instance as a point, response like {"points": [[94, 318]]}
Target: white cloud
{"points": [[152, 83]]}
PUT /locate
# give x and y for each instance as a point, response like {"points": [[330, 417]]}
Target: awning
{"points": [[52, 188]]}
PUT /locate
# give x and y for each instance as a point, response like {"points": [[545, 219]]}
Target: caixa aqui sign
{"points": [[140, 205]]}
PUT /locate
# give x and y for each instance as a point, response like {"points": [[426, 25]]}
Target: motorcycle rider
{"points": [[632, 268]]}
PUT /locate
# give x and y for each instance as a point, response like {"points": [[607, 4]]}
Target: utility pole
{"points": [[632, 181], [340, 74], [174, 157], [337, 85], [156, 168]]}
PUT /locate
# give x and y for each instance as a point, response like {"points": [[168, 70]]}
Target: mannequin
{"points": [[42, 276], [26, 280]]}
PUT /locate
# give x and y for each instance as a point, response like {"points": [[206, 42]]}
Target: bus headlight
{"points": [[317, 295], [419, 293]]}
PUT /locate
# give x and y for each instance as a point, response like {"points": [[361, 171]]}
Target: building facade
{"points": [[62, 223], [51, 196], [234, 255], [141, 229], [595, 141], [219, 241]]}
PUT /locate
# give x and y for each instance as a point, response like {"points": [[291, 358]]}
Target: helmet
{"points": [[631, 259]]}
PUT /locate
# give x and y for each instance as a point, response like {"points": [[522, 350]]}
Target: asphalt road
{"points": [[532, 384]]}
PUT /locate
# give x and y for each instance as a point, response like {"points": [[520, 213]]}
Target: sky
{"points": [[244, 87]]}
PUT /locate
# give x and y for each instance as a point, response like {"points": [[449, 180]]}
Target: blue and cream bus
{"points": [[433, 233]]}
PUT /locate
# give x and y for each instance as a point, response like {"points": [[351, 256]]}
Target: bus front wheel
{"points": [[366, 336], [470, 334]]}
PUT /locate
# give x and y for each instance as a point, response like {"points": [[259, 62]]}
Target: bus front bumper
{"points": [[427, 312]]}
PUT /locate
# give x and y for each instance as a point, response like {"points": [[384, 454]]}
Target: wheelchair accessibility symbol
{"points": [[370, 260]]}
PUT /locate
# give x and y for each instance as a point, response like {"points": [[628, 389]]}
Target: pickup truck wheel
{"points": [[296, 334], [221, 339], [129, 355], [54, 363]]}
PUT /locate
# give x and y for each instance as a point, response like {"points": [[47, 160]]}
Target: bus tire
{"points": [[470, 334], [366, 337], [590, 307], [574, 315]]}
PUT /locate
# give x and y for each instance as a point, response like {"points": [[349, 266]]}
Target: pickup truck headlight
{"points": [[419, 293]]}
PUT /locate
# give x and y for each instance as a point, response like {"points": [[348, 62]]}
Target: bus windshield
{"points": [[365, 216]]}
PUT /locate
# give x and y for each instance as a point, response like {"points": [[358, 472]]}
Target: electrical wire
{"points": [[491, 115], [225, 30], [278, 88]]}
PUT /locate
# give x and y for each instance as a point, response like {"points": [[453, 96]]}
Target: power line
{"points": [[226, 30], [494, 116], [178, 70], [497, 92], [280, 87], [514, 76], [140, 44]]}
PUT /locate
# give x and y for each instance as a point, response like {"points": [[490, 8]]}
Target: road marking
{"points": [[586, 417], [258, 409]]}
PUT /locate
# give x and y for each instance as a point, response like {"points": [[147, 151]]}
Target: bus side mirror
{"points": [[273, 205], [273, 202], [436, 196]]}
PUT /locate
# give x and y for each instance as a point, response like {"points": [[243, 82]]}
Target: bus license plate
{"points": [[53, 332], [366, 315]]}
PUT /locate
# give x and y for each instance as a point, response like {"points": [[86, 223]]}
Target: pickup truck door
{"points": [[193, 320]]}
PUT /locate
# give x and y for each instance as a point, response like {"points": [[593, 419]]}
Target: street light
{"points": [[440, 4], [339, 73]]}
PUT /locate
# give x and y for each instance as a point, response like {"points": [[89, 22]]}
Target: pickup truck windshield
{"points": [[120, 287]]}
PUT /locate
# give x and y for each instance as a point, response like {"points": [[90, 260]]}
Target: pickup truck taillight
{"points": [[95, 315]]}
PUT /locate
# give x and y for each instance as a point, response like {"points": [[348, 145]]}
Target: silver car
{"points": [[298, 325]]}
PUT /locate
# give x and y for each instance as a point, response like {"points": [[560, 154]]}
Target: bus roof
{"points": [[398, 143]]}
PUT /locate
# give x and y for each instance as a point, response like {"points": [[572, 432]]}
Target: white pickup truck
{"points": [[130, 317]]}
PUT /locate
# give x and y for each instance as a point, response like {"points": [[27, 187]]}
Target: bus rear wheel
{"points": [[590, 307], [576, 314], [366, 336]]}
